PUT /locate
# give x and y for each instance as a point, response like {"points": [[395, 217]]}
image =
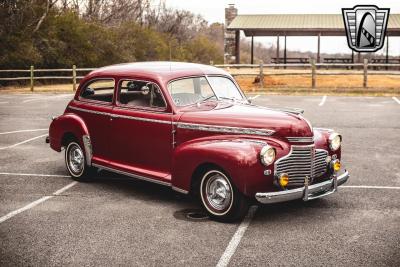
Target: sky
{"points": [[213, 11]]}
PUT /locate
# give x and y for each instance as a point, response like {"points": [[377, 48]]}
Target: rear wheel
{"points": [[76, 162], [220, 197]]}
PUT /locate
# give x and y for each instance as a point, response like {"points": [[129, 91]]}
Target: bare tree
{"points": [[49, 5]]}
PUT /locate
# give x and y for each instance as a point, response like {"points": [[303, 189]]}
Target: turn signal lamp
{"points": [[336, 165], [283, 179]]}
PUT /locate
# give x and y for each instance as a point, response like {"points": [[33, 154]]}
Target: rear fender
{"points": [[71, 124]]}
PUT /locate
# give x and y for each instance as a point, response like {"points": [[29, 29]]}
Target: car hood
{"points": [[226, 114]]}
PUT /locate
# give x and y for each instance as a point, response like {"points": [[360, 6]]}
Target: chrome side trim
{"points": [[89, 111], [224, 129], [191, 126], [140, 119], [131, 175], [323, 129], [300, 139], [259, 142], [177, 189], [120, 116], [88, 149]]}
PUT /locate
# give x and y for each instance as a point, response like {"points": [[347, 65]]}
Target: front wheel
{"points": [[76, 163], [220, 197]]}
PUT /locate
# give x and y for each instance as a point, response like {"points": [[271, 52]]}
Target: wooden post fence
{"points": [[29, 75], [32, 78], [74, 78], [261, 74], [365, 83], [313, 73]]}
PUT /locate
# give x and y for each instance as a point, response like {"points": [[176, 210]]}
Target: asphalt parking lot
{"points": [[116, 220]]}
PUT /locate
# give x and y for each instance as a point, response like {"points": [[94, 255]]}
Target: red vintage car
{"points": [[190, 127]]}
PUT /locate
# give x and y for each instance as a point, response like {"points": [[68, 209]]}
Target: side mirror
{"points": [[145, 90], [88, 92]]}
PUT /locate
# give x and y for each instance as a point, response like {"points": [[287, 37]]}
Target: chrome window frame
{"points": [[80, 98], [140, 108]]}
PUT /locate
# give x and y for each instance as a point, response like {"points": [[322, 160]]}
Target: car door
{"points": [[95, 107], [142, 130]]}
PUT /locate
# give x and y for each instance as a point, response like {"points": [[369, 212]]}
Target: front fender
{"points": [[321, 137], [239, 158], [67, 123]]}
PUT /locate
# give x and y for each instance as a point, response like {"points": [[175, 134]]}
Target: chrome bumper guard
{"points": [[307, 192]]}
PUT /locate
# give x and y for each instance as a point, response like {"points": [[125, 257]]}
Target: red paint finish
{"points": [[151, 142]]}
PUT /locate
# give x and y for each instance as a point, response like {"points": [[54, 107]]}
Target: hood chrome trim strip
{"points": [[300, 139], [224, 129]]}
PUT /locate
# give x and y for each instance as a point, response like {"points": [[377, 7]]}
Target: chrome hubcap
{"points": [[218, 192], [75, 159]]}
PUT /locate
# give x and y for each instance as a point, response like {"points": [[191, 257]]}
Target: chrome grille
{"points": [[301, 163], [320, 164]]}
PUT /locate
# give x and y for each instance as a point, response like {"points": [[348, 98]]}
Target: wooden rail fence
{"points": [[364, 70], [32, 77]]}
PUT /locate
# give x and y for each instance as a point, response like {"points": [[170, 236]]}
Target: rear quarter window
{"points": [[99, 90]]}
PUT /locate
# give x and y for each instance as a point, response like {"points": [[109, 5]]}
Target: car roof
{"points": [[158, 70]]}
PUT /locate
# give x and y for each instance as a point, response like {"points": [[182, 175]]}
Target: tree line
{"points": [[94, 33]]}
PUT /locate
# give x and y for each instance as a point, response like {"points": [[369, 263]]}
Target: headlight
{"points": [[267, 155], [334, 141]]}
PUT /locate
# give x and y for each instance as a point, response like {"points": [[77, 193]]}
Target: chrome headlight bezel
{"points": [[267, 155], [335, 141]]}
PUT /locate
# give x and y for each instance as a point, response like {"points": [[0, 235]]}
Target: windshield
{"points": [[193, 90], [224, 88]]}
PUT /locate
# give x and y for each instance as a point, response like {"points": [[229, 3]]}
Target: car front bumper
{"points": [[307, 192]]}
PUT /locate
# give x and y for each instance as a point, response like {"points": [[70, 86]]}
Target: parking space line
{"points": [[234, 243], [33, 174], [322, 101], [396, 99], [23, 142], [36, 202], [46, 98], [23, 131], [4, 102], [370, 187]]}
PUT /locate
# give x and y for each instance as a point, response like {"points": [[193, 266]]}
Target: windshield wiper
{"points": [[234, 99], [229, 98], [205, 99]]}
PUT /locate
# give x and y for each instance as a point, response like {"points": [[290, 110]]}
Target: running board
{"points": [[140, 177]]}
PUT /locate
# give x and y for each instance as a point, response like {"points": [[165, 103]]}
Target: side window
{"points": [[99, 90], [140, 94]]}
